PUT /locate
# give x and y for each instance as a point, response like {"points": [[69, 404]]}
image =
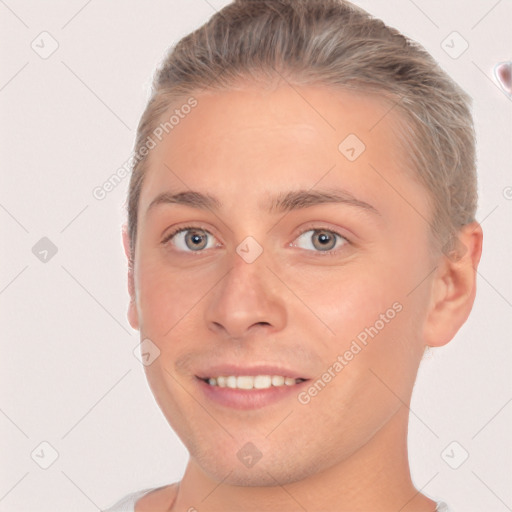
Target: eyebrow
{"points": [[280, 203]]}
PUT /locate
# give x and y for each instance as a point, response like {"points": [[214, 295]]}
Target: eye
{"points": [[321, 240], [190, 239], [195, 239]]}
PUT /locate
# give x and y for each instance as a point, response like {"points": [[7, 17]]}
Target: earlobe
{"points": [[454, 287], [133, 317]]}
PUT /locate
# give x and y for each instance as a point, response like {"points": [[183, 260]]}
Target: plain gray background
{"points": [[69, 374]]}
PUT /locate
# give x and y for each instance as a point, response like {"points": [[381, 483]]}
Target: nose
{"points": [[247, 299]]}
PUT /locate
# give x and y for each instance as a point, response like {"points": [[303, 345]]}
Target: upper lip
{"points": [[237, 370]]}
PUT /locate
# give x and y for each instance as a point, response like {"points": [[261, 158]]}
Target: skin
{"points": [[346, 450]]}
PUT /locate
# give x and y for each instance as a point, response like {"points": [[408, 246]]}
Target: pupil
{"points": [[195, 238], [324, 238]]}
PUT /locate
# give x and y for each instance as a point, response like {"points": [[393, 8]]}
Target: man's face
{"points": [[332, 277]]}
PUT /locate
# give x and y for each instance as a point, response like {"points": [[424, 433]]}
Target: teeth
{"points": [[243, 382], [250, 382], [277, 380], [262, 381]]}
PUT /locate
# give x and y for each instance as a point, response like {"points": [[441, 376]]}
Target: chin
{"points": [[271, 470]]}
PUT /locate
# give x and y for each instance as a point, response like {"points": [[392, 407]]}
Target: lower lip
{"points": [[249, 398]]}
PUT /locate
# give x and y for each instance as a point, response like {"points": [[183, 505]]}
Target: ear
{"points": [[454, 287], [133, 316]]}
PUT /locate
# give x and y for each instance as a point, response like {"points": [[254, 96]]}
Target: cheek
{"points": [[373, 311], [350, 299], [164, 296]]}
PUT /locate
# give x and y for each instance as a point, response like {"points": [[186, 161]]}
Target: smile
{"points": [[252, 382], [249, 391]]}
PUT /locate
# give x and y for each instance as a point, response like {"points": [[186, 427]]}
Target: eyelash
{"points": [[334, 252]]}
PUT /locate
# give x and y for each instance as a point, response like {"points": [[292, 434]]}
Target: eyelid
{"points": [[183, 227], [322, 226]]}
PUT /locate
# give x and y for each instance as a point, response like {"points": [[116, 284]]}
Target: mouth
{"points": [[249, 388], [251, 382]]}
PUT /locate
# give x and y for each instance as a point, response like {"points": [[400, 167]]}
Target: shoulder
{"points": [[127, 503], [157, 499]]}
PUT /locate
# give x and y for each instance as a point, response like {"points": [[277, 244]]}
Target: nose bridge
{"points": [[248, 276], [248, 272], [247, 295]]}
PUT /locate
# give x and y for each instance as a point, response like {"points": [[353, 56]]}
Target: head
{"points": [[341, 284]]}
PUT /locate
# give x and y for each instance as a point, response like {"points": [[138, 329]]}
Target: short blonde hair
{"points": [[335, 43]]}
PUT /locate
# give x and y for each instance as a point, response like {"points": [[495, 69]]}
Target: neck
{"points": [[376, 477]]}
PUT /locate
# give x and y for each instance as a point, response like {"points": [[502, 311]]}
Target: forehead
{"points": [[273, 118], [252, 140]]}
